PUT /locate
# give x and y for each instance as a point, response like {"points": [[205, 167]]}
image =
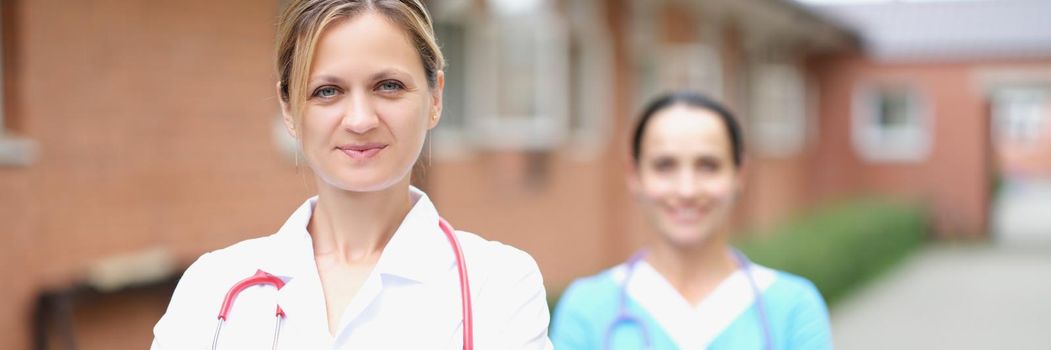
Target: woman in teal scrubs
{"points": [[689, 289]]}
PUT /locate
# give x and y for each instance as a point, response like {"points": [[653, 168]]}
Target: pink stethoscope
{"points": [[262, 278], [624, 317]]}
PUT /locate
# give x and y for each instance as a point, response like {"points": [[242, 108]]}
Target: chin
{"points": [[363, 180], [688, 240], [687, 236]]}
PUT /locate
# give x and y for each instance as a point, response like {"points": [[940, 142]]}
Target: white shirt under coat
{"points": [[411, 300]]}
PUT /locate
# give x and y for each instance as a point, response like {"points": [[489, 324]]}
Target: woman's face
{"points": [[368, 107], [685, 177]]}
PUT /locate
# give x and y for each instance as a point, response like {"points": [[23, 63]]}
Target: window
{"points": [[778, 117], [1019, 114], [591, 87], [521, 76], [14, 151], [515, 93], [693, 66], [450, 137], [891, 123], [687, 60]]}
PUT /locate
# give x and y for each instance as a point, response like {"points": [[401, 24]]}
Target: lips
{"points": [[686, 215], [362, 151]]}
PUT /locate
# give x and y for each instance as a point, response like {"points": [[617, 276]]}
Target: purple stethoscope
{"points": [[624, 317]]}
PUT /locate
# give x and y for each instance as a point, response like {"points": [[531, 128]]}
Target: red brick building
{"points": [[137, 135], [946, 103]]}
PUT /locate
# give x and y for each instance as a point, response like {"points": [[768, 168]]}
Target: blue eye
{"points": [[326, 92], [390, 85]]}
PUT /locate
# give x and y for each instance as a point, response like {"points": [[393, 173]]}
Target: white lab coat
{"points": [[411, 300]]}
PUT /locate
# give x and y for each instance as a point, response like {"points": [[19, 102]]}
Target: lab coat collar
{"points": [[296, 225], [291, 247], [417, 251]]}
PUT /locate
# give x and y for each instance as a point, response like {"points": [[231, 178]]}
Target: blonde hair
{"points": [[303, 22]]}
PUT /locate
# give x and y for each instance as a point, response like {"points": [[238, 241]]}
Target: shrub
{"points": [[841, 245]]}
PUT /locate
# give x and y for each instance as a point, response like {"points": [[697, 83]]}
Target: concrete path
{"points": [[995, 296], [1021, 213]]}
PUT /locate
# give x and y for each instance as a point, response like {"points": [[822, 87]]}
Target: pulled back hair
{"points": [[690, 99], [303, 22]]}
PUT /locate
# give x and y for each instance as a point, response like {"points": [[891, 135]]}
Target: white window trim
{"points": [[14, 151], [453, 142], [458, 142], [482, 129], [912, 145], [702, 64], [1042, 94], [697, 65], [783, 136], [590, 139], [542, 131]]}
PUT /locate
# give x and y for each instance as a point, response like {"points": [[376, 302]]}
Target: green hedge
{"points": [[841, 245]]}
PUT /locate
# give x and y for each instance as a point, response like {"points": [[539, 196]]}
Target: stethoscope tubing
{"points": [[261, 278], [625, 317]]}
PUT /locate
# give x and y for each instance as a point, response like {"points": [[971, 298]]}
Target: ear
{"points": [[286, 113], [436, 100], [740, 180], [631, 177]]}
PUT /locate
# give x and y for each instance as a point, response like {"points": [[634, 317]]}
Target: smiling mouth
{"points": [[363, 151], [686, 215]]}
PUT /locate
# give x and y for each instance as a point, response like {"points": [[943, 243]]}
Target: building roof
{"points": [[947, 29]]}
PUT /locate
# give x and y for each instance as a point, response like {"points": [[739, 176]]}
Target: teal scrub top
{"points": [[797, 316]]}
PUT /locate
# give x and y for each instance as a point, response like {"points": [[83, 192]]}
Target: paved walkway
{"points": [[1022, 212], [954, 297]]}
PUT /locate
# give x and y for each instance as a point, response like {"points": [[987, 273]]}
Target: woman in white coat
{"points": [[365, 263]]}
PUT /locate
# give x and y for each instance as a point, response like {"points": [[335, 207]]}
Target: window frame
{"points": [[1004, 121], [484, 127], [877, 144], [15, 151], [787, 134]]}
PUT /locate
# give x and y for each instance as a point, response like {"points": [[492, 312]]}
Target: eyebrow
{"points": [[391, 73], [381, 75], [326, 79]]}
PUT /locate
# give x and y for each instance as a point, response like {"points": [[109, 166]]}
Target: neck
{"points": [[696, 270], [354, 227]]}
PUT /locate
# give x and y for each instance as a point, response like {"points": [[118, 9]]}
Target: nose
{"points": [[686, 186], [360, 116]]}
